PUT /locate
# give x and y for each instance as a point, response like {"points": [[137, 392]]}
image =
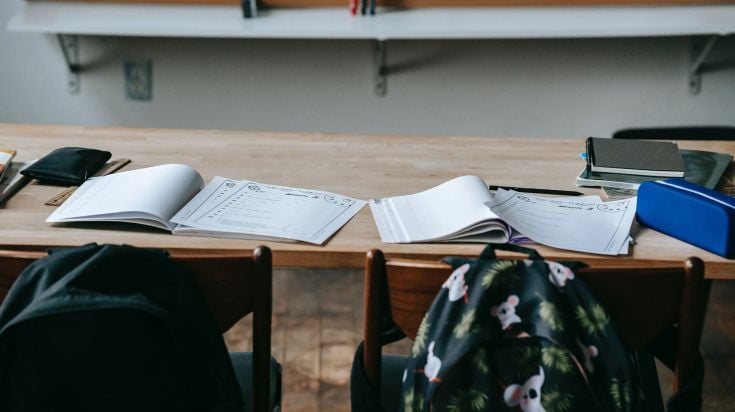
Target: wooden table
{"points": [[354, 165]]}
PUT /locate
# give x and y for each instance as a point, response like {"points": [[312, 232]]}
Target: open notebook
{"points": [[173, 197], [464, 210], [454, 211]]}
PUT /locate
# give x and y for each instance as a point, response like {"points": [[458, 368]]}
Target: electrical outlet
{"points": [[138, 79]]}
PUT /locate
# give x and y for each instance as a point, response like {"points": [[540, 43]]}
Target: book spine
{"points": [[590, 153]]}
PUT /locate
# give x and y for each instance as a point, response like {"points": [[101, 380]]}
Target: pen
{"points": [[539, 191]]}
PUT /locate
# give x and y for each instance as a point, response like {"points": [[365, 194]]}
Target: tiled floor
{"points": [[317, 322]]}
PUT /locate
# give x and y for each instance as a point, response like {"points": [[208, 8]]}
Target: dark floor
{"points": [[317, 322]]}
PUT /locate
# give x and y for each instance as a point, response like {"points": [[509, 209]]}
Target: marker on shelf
{"points": [[249, 8]]}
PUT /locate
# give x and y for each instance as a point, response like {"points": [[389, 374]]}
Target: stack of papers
{"points": [[581, 224], [464, 210], [454, 211]]}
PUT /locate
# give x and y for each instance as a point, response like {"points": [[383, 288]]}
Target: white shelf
{"points": [[336, 23]]}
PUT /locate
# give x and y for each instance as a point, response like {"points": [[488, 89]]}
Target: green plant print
{"points": [[480, 361], [465, 325], [420, 342], [413, 402], [527, 362], [467, 400], [554, 400], [595, 321], [620, 395], [529, 354], [556, 358], [551, 316], [502, 273]]}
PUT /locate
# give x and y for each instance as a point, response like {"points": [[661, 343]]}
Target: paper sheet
{"points": [[453, 211], [262, 210], [148, 196], [568, 223]]}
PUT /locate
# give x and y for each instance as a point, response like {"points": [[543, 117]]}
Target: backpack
{"points": [[111, 328], [517, 335]]}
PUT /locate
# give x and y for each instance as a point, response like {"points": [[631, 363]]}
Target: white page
{"points": [[567, 223], [517, 237], [246, 209], [443, 212], [148, 196]]}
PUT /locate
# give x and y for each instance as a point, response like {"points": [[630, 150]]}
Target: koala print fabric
{"points": [[513, 335]]}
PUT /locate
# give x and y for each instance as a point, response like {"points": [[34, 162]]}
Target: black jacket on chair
{"points": [[111, 328]]}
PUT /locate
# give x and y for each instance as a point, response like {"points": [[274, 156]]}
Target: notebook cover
{"points": [[642, 157], [700, 167]]}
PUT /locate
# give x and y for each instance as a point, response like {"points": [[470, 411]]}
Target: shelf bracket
{"points": [[70, 48], [380, 71], [700, 49]]}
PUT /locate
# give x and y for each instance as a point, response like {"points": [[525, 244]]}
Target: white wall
{"points": [[559, 88]]}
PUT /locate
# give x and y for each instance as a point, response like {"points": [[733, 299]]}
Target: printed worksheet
{"points": [[251, 209], [568, 223]]}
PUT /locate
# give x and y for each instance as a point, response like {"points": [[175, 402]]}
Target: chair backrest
{"points": [[678, 133], [234, 286], [642, 302]]}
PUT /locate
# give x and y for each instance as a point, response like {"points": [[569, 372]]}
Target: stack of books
{"points": [[620, 166]]}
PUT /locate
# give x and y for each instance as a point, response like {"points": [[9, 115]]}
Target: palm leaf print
{"points": [[529, 354], [556, 401], [502, 272], [551, 316], [420, 342], [480, 361], [594, 322], [413, 402], [620, 394], [467, 400], [465, 325], [600, 317], [527, 362], [556, 358]]}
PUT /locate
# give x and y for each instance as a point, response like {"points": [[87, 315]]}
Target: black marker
{"points": [[539, 191]]}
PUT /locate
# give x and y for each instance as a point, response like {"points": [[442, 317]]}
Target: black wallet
{"points": [[67, 166]]}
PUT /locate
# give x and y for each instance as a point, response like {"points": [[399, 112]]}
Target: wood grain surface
{"points": [[360, 166]]}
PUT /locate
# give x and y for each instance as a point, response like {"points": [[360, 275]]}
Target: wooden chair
{"points": [[644, 303], [234, 286]]}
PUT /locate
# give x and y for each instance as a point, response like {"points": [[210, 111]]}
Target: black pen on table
{"points": [[539, 191]]}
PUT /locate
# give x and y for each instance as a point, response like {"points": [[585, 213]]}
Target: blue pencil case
{"points": [[689, 212]]}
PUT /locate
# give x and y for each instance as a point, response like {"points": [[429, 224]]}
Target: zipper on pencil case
{"points": [[700, 194]]}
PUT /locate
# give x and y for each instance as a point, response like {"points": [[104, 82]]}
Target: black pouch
{"points": [[67, 166]]}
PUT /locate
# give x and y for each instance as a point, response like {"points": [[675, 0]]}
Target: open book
{"points": [[464, 210], [454, 211], [173, 197]]}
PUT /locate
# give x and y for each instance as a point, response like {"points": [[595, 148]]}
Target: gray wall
{"points": [[555, 88]]}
